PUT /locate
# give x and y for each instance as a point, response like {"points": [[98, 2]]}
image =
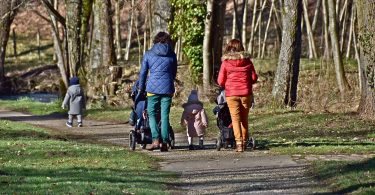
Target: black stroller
{"points": [[224, 123], [141, 133]]}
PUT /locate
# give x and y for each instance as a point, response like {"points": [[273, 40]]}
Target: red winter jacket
{"points": [[237, 74]]}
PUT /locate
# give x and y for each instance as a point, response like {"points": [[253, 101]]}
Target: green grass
{"points": [[347, 177], [31, 162], [109, 114], [296, 132], [28, 54], [265, 65], [33, 107], [279, 131]]}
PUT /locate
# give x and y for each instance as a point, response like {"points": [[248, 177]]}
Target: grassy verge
{"points": [[296, 132], [33, 163], [279, 131], [33, 107], [347, 177]]}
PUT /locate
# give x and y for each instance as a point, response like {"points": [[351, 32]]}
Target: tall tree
{"points": [[285, 87], [366, 28], [73, 24], [7, 12], [162, 16], [217, 37], [58, 43], [337, 58], [207, 45]]}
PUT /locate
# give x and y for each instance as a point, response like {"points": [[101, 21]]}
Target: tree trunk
{"points": [[316, 14], [103, 51], [310, 36], [244, 23], [285, 87], [73, 24], [327, 53], [351, 29], [366, 27], [58, 46], [234, 20], [118, 29], [251, 42], [267, 27], [162, 16], [217, 37], [130, 31], [6, 18], [337, 58], [207, 46]]}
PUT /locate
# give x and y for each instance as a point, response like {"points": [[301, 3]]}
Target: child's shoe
{"points": [[69, 124], [79, 124]]}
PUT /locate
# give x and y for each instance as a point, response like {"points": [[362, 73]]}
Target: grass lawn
{"points": [[356, 177], [279, 131], [31, 162]]}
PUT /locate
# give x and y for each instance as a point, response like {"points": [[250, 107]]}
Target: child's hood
{"points": [[193, 108], [75, 89]]}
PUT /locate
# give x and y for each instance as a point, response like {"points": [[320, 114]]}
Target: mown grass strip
{"points": [[342, 177], [33, 163]]}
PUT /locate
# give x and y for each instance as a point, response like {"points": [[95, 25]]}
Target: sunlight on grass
{"points": [[30, 106], [356, 177], [31, 162]]}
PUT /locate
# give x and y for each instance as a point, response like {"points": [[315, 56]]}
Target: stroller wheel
{"points": [[132, 140], [226, 144], [171, 144], [251, 143], [218, 143]]}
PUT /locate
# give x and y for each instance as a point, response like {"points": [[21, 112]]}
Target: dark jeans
{"points": [[154, 104]]}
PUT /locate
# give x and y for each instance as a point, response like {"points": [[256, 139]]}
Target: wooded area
{"points": [[98, 40]]}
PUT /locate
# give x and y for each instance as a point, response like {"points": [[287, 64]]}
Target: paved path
{"points": [[201, 171]]}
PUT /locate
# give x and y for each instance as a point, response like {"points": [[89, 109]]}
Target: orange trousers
{"points": [[239, 111]]}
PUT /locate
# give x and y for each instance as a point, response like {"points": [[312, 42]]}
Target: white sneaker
{"points": [[69, 124]]}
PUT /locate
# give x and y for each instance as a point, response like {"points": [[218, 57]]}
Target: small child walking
{"points": [[195, 119], [75, 101]]}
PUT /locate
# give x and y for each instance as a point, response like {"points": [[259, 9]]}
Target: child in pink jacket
{"points": [[195, 119]]}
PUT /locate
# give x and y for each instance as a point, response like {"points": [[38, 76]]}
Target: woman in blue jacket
{"points": [[160, 65]]}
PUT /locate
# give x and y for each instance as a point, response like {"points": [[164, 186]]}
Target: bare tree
{"points": [[130, 30], [8, 10], [207, 45], [285, 87], [366, 27], [103, 51], [162, 16], [73, 24], [58, 43], [118, 7], [337, 58], [244, 23]]}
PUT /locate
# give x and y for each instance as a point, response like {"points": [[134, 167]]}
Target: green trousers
{"points": [[158, 108]]}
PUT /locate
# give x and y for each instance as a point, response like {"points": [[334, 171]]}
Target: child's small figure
{"points": [[195, 119], [75, 101]]}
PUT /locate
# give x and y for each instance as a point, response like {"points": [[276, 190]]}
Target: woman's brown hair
{"points": [[234, 45], [162, 37]]}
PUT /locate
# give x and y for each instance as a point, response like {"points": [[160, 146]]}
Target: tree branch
{"points": [[54, 12]]}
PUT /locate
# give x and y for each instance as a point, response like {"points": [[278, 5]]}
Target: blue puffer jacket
{"points": [[160, 63]]}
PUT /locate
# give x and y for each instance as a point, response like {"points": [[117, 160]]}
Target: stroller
{"points": [[224, 123], [141, 133]]}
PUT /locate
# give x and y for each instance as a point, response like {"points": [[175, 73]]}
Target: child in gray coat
{"points": [[75, 101]]}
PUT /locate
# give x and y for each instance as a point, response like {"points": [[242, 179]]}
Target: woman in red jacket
{"points": [[237, 75]]}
